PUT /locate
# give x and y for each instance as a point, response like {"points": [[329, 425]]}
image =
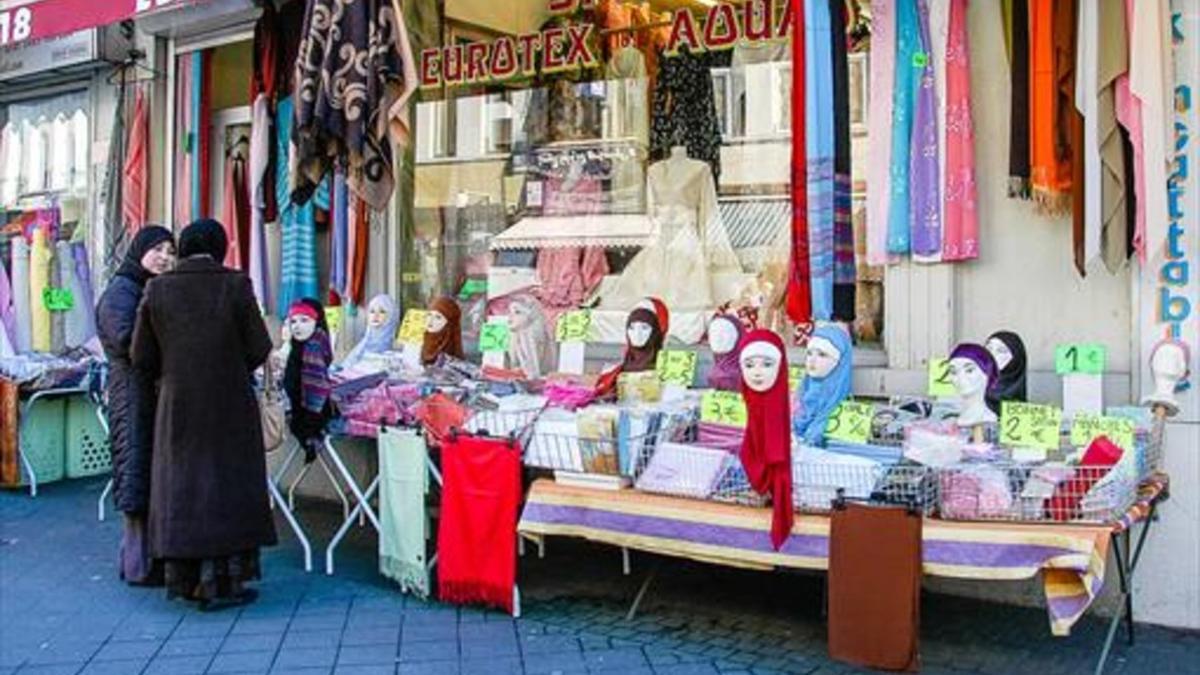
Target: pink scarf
{"points": [[961, 235], [1129, 114], [883, 66]]}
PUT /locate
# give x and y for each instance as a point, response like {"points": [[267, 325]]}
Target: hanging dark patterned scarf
{"points": [[844, 272], [1018, 129], [349, 73]]}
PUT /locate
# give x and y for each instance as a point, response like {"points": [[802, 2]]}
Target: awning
{"points": [[609, 231], [29, 20]]}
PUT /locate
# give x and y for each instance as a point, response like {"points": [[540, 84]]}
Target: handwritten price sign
{"points": [[333, 319], [795, 377], [851, 422], [1087, 359], [1027, 425], [58, 299], [412, 328], [940, 385], [723, 407], [1087, 428], [676, 367], [494, 337], [574, 326]]}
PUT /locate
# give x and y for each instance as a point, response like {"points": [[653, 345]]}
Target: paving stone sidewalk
{"points": [[62, 610]]}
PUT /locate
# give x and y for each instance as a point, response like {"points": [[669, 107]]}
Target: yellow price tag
{"points": [[574, 326], [1028, 425], [333, 318], [723, 407], [412, 328], [1087, 428], [850, 422], [676, 366], [795, 377], [940, 385]]}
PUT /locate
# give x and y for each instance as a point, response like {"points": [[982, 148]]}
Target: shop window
{"points": [[44, 151]]}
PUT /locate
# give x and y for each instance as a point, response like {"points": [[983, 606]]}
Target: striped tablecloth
{"points": [[1072, 557]]}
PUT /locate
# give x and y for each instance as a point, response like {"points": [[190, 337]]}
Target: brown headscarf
{"points": [[639, 359], [449, 339]]}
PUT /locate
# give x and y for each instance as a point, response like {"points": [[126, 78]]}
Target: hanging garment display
{"points": [[234, 212], [8, 315], [908, 41], [881, 78], [81, 140], [82, 289], [259, 178], [354, 76], [40, 258], [845, 276], [135, 188], [12, 145], [1052, 90], [33, 161], [684, 111], [298, 274], [925, 203], [183, 151], [820, 149], [339, 233], [403, 520], [62, 153], [1019, 133], [1129, 114], [1151, 72], [77, 323], [960, 218], [799, 290]]}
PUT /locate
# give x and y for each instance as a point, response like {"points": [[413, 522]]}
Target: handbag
{"points": [[270, 407]]}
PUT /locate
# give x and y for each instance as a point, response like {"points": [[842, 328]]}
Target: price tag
{"points": [[494, 337], [1028, 425], [1086, 428], [473, 287], [1088, 359], [58, 299], [851, 422], [676, 366], [920, 60], [795, 377], [333, 318], [412, 328], [574, 326], [939, 379], [723, 407]]}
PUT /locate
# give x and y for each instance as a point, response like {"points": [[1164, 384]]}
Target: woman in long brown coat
{"points": [[200, 333]]}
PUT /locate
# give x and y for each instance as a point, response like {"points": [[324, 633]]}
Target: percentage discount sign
{"points": [[676, 366], [850, 422], [1028, 425]]}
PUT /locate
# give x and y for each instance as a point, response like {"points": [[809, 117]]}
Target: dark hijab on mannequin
{"points": [[1010, 382], [203, 237], [146, 239], [639, 359]]}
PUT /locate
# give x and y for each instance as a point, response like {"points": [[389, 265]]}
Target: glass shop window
{"points": [[44, 150]]}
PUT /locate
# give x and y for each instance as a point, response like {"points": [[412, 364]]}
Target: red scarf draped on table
{"points": [[477, 532], [799, 291], [767, 446]]}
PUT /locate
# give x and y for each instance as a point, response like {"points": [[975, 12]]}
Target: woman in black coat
{"points": [[200, 332], [131, 396]]}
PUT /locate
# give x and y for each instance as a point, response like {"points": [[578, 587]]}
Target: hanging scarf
{"points": [[379, 338], [22, 309], [1129, 114], [135, 192], [882, 75], [259, 177], [306, 374], [184, 149], [822, 395], [338, 261], [1052, 88], [360, 231], [352, 79], [845, 275], [403, 520], [1150, 80], [78, 325], [925, 204], [298, 267], [1010, 382], [1113, 64], [961, 241], [8, 315], [1018, 126], [198, 143], [641, 359], [908, 45], [231, 214], [726, 372], [820, 144], [449, 339], [799, 292], [766, 452]]}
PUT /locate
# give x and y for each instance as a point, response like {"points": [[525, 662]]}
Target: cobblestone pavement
{"points": [[62, 610]]}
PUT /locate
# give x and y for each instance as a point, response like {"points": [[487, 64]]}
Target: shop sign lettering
{"points": [[569, 47], [1087, 427], [40, 20], [1174, 276]]}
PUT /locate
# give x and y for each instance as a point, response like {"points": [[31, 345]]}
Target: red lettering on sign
{"points": [[721, 17], [430, 67], [477, 53], [579, 54], [552, 50], [758, 20], [452, 64], [504, 58], [530, 43], [683, 32]]}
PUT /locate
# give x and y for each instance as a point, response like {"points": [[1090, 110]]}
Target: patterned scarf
{"points": [[844, 273], [961, 237], [925, 205]]}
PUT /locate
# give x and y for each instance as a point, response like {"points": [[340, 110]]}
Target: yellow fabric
{"points": [[39, 280]]}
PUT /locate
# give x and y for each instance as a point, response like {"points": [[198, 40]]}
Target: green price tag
{"points": [[1028, 425], [58, 299], [412, 328], [473, 287], [1087, 359], [574, 326], [676, 366], [939, 379], [723, 407], [1087, 428], [795, 377], [920, 60], [494, 337], [851, 422], [333, 318]]}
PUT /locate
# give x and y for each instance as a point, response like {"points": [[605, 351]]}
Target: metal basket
{"points": [[557, 448], [1047, 493]]}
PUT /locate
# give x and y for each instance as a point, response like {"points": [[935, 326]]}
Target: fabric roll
{"points": [[799, 291], [39, 279], [925, 203], [820, 149], [477, 541], [22, 309], [135, 190], [961, 220], [183, 151], [58, 320], [906, 82], [845, 274], [875, 587], [882, 75], [1018, 125], [84, 296], [196, 133], [403, 521]]}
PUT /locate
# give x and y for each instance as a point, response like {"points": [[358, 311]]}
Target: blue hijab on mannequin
{"points": [[820, 396]]}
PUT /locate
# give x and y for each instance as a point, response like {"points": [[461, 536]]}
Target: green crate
{"points": [[86, 443], [43, 432]]}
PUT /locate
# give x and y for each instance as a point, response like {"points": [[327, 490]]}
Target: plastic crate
{"points": [[42, 435], [87, 449]]}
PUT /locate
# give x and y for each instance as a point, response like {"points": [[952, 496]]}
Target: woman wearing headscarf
{"points": [[1008, 350], [200, 333], [131, 397], [443, 332]]}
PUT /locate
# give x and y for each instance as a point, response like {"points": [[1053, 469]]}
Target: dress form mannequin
{"points": [[973, 373], [830, 369], [1169, 367]]}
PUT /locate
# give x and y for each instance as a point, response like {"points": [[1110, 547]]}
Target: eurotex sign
{"points": [[568, 47]]}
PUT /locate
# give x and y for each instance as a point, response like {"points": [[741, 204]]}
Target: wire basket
{"points": [[1048, 493]]}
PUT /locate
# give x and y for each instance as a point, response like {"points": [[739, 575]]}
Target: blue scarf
{"points": [[821, 396], [908, 79], [819, 141]]}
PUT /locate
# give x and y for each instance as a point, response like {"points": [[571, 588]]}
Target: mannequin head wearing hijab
{"points": [[1008, 350], [725, 333], [532, 346], [151, 253], [660, 310], [203, 237], [827, 383], [443, 331], [973, 372], [767, 447], [643, 340], [382, 320]]}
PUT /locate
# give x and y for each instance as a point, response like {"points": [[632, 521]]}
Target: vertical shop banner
{"points": [[28, 20]]}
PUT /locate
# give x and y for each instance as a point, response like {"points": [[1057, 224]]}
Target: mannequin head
{"points": [[829, 381], [435, 321], [723, 334], [968, 378], [443, 330], [1000, 352], [380, 311], [973, 373], [302, 320], [660, 311], [1169, 367], [821, 357], [643, 340], [382, 321], [761, 364], [638, 333]]}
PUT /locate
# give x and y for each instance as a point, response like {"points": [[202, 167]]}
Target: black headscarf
{"points": [[203, 237], [147, 238], [1010, 384], [639, 359]]}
